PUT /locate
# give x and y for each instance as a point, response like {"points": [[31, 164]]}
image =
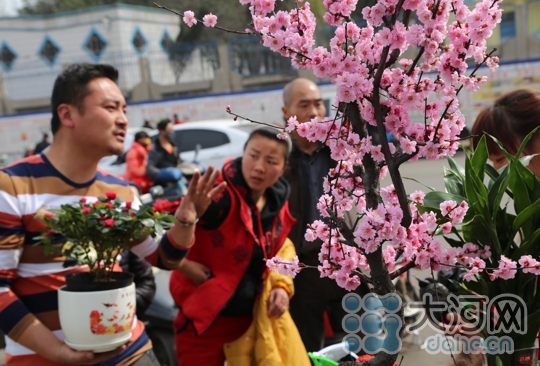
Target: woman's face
{"points": [[499, 160], [263, 163]]}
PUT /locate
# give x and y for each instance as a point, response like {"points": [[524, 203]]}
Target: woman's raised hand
{"points": [[200, 193]]}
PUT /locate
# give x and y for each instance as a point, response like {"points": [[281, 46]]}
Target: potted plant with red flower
{"points": [[97, 307]]}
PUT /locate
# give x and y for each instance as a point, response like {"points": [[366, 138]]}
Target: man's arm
{"points": [[16, 321], [177, 241]]}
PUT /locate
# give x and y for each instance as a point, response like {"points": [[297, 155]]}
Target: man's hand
{"points": [[67, 355], [195, 271], [42, 341], [278, 302], [200, 193]]}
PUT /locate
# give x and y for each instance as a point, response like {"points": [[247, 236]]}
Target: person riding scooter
{"points": [[136, 162], [163, 157]]}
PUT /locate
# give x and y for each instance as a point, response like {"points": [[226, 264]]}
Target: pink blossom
{"points": [[447, 206], [189, 18], [209, 20], [389, 255], [485, 252], [418, 197], [291, 268], [529, 264], [506, 269]]}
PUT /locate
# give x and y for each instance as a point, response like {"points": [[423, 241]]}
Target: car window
{"points": [[187, 139], [248, 127]]}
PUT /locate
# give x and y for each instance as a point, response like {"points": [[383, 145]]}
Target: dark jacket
{"points": [[159, 158], [307, 251], [42, 145], [228, 250], [145, 287]]}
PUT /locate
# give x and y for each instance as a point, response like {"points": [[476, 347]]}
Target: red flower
{"points": [[132, 213], [111, 195], [97, 203], [109, 222], [165, 206], [83, 200], [48, 233], [86, 210], [109, 205], [49, 215], [128, 205]]}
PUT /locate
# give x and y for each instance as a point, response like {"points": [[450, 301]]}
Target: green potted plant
{"points": [[97, 307], [504, 219]]}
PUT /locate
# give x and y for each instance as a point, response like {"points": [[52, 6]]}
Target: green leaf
{"points": [[159, 229], [527, 245], [479, 158], [148, 222], [452, 183], [526, 215], [456, 168], [434, 199], [455, 243], [417, 181], [496, 192], [506, 153]]}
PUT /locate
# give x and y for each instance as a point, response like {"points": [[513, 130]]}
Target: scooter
{"points": [[175, 191], [159, 317]]}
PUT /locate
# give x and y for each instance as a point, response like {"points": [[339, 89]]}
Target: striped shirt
{"points": [[29, 279]]}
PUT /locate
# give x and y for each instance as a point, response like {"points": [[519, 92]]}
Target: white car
{"points": [[218, 140]]}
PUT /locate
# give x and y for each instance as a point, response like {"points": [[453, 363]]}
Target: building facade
{"points": [[34, 49]]}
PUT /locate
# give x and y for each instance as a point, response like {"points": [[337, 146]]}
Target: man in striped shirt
{"points": [[88, 122]]}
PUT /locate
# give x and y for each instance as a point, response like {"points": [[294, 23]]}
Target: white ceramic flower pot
{"points": [[97, 321]]}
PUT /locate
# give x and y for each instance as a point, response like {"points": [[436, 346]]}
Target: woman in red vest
{"points": [[247, 222], [136, 162]]}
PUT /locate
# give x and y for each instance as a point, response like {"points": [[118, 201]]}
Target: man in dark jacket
{"points": [[145, 285], [305, 173], [163, 157], [42, 145]]}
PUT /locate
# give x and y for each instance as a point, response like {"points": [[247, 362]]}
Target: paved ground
{"points": [[430, 174]]}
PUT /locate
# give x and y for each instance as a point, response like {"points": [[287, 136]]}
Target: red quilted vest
{"points": [[227, 252]]}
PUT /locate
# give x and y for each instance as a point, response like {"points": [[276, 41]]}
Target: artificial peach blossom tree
{"points": [[402, 73]]}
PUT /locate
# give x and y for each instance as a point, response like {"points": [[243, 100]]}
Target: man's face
{"points": [[168, 129], [305, 103], [102, 125]]}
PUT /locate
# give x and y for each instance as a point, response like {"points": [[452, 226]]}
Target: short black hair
{"points": [[272, 134], [71, 87], [140, 135], [162, 125]]}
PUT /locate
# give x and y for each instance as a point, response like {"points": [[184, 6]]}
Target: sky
{"points": [[9, 7]]}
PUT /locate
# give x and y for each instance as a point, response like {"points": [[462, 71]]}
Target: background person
{"points": [[136, 161], [309, 163], [511, 118], [145, 285], [163, 157], [42, 145]]}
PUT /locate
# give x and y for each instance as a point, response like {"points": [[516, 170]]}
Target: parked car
{"points": [[218, 140]]}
